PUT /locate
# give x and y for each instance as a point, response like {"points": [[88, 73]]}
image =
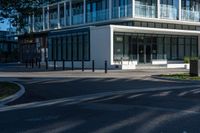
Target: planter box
{"points": [[194, 67]]}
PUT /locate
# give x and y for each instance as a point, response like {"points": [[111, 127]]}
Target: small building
{"points": [[125, 33], [9, 51]]}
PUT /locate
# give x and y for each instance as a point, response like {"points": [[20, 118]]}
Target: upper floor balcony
{"points": [[68, 13]]}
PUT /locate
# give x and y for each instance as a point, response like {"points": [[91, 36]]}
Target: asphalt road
{"points": [[73, 102], [169, 111], [41, 89]]}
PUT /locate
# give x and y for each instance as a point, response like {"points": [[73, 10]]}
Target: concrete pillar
{"points": [[84, 11], [179, 10], [70, 12], [58, 15], [43, 18], [110, 9], [65, 15], [158, 8]]}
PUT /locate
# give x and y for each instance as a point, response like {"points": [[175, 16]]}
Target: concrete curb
{"points": [[173, 79], [14, 96]]}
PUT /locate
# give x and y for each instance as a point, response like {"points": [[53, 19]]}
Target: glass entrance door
{"points": [[141, 54], [144, 53], [148, 53]]}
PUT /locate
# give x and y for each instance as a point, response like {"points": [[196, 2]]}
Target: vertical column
{"points": [[70, 12], [29, 23], [198, 46], [84, 11], [133, 8], [48, 19], [158, 8], [58, 15], [65, 15], [43, 18], [33, 24], [179, 10], [110, 9]]}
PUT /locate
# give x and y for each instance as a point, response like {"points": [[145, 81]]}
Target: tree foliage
{"points": [[16, 10]]}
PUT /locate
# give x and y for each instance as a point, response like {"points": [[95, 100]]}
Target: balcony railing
{"points": [[168, 12], [97, 16], [77, 19], [188, 15], [145, 11], [38, 26], [53, 23], [122, 11]]}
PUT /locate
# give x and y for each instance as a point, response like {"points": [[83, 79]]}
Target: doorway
{"points": [[144, 54]]}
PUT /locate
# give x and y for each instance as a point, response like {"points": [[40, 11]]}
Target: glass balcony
{"points": [[168, 12], [62, 22], [38, 26], [97, 16], [122, 11], [145, 11], [188, 15], [77, 19], [53, 23]]}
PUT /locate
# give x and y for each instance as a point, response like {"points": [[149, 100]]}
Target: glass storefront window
{"points": [[181, 48], [118, 47], [64, 48], [145, 47], [69, 47]]}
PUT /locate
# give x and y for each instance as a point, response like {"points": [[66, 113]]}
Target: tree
{"points": [[16, 10]]}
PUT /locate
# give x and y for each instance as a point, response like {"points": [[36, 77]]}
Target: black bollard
{"points": [[63, 64], [93, 66], [46, 64], [106, 67], [39, 65], [72, 65], [36, 62], [54, 64], [26, 63], [32, 63], [83, 66]]}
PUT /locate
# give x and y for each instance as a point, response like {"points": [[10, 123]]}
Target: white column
{"points": [[33, 24], [43, 18], [199, 45], [110, 9], [133, 8], [84, 11], [65, 14], [58, 15], [29, 23], [158, 8], [179, 10], [48, 19], [70, 12]]}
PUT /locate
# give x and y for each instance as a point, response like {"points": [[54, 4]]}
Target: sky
{"points": [[4, 26]]}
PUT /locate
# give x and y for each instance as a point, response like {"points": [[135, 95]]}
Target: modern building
{"points": [[8, 47], [125, 33]]}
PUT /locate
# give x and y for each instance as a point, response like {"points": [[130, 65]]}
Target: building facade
{"points": [[9, 51], [125, 33]]}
